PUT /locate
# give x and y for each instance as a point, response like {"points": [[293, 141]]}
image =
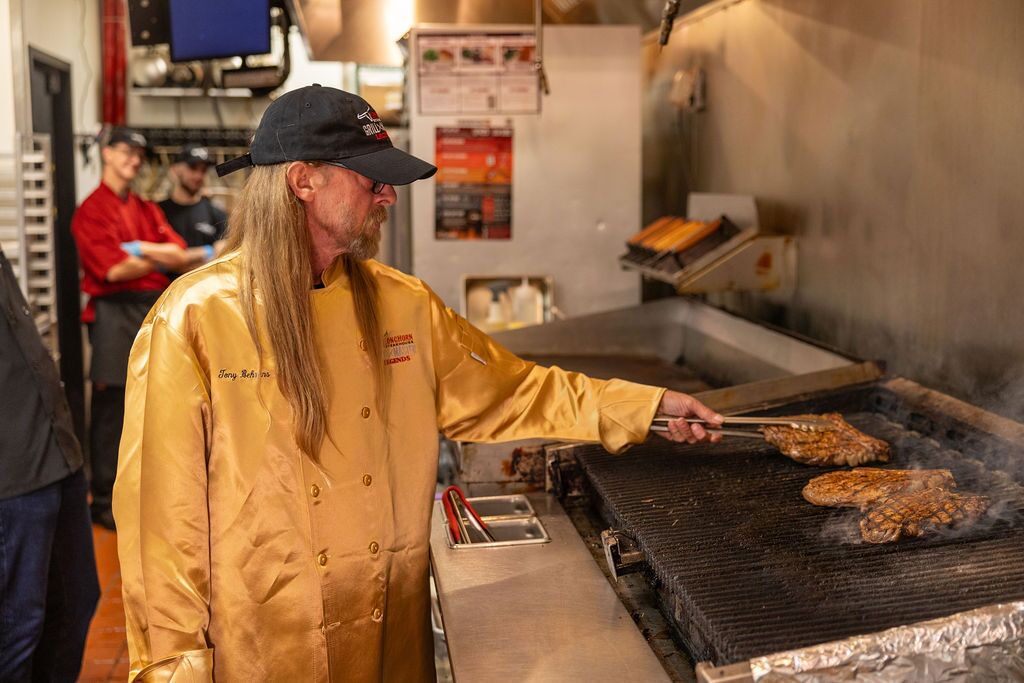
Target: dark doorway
{"points": [[51, 114]]}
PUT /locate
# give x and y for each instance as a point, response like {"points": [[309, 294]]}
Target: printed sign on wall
{"points": [[471, 73], [474, 183]]}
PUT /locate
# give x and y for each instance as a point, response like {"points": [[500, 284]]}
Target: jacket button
{"points": [[374, 547], [362, 344], [377, 614], [314, 490], [322, 559], [365, 412], [367, 480]]}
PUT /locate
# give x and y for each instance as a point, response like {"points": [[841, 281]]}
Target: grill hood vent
{"points": [[365, 31]]}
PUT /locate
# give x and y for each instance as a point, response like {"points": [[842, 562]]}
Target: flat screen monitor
{"points": [[211, 29]]}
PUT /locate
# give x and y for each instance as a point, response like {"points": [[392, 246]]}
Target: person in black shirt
{"points": [[192, 215], [48, 583]]}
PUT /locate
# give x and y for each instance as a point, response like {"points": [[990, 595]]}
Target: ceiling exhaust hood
{"points": [[366, 31], [362, 31]]}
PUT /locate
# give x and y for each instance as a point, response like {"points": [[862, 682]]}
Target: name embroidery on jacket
{"points": [[244, 373]]}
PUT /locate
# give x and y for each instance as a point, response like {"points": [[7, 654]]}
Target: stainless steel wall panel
{"points": [[886, 136]]}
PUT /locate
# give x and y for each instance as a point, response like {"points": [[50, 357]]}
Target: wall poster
{"points": [[472, 73], [474, 183]]}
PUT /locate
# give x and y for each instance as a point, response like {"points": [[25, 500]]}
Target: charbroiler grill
{"points": [[725, 545], [744, 567]]}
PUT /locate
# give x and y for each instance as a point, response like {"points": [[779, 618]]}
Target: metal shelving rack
{"points": [[26, 228]]}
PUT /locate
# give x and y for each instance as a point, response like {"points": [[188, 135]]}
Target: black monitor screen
{"points": [[209, 29]]}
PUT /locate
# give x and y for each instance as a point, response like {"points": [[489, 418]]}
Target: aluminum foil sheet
{"points": [[985, 644]]}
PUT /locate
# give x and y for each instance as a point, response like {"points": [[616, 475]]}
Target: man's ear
{"points": [[300, 177]]}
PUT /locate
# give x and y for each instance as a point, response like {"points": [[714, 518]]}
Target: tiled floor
{"points": [[106, 650]]}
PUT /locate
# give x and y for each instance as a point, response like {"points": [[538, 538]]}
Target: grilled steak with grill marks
{"points": [[915, 514], [864, 485], [842, 445]]}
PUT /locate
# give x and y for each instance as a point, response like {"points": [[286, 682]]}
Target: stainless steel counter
{"points": [[542, 612]]}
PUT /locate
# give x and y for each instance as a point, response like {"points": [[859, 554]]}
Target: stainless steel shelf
{"points": [[192, 92]]}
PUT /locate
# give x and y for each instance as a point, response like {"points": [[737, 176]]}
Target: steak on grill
{"points": [[864, 485], [842, 445], [918, 513]]}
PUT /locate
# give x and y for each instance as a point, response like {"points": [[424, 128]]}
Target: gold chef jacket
{"points": [[243, 560]]}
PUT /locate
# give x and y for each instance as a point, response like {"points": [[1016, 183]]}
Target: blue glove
{"points": [[133, 248]]}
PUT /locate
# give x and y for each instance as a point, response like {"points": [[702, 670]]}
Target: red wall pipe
{"points": [[114, 62]]}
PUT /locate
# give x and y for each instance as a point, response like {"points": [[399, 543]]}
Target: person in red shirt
{"points": [[126, 248]]}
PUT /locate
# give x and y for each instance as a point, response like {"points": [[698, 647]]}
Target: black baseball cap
{"points": [[315, 123], [193, 155], [127, 136]]}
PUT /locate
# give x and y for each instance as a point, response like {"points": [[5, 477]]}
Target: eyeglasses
{"points": [[377, 186]]}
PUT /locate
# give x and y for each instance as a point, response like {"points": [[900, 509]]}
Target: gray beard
{"points": [[364, 248], [367, 244]]}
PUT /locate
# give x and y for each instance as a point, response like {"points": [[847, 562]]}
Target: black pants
{"points": [[48, 583], [104, 438]]}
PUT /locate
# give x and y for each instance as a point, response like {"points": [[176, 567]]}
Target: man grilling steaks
{"points": [[279, 458]]}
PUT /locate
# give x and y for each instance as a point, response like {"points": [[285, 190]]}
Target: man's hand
{"points": [[684, 405]]}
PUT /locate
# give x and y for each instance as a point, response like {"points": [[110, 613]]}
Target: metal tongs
{"points": [[813, 424], [462, 517]]}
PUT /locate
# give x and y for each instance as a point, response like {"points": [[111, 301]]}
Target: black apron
{"points": [[118, 320]]}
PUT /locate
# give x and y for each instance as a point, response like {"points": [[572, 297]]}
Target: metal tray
{"points": [[502, 507], [507, 532]]}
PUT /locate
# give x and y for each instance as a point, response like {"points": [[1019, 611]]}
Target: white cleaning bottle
{"points": [[527, 304], [496, 318]]}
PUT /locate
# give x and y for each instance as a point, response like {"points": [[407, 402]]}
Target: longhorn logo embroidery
{"points": [[373, 126]]}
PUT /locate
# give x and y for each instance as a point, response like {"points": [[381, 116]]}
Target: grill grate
{"points": [[746, 567]]}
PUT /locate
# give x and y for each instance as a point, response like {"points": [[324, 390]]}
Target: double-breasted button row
{"points": [[322, 559], [365, 412], [367, 480], [374, 547], [314, 490]]}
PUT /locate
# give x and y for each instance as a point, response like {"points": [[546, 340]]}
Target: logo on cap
{"points": [[373, 126]]}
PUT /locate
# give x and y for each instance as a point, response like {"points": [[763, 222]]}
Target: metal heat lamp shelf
{"points": [[735, 257]]}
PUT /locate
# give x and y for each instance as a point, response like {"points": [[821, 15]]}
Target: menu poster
{"points": [[440, 95], [478, 94], [478, 54], [518, 94], [438, 54], [518, 53], [473, 73], [474, 183]]}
